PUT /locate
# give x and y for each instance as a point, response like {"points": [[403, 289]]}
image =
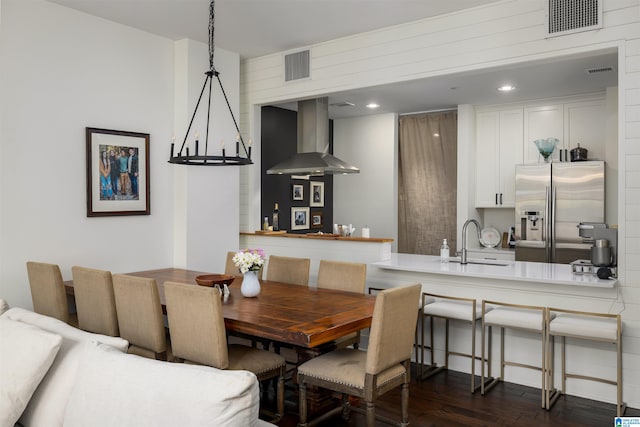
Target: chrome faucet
{"points": [[463, 255]]}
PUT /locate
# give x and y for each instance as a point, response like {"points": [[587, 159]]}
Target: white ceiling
{"points": [[258, 27]]}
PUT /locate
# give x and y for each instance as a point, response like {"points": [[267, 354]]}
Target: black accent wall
{"points": [[279, 142]]}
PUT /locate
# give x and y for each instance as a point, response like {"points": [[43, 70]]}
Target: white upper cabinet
{"points": [[541, 123], [498, 150], [573, 123]]}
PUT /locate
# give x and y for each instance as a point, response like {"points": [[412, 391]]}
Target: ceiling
{"points": [[258, 27]]}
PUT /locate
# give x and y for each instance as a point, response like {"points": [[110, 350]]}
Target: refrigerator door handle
{"points": [[552, 225]]}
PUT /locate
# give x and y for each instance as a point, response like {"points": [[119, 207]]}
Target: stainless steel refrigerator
{"points": [[551, 200]]}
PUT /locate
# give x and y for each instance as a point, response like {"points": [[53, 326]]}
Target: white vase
{"points": [[250, 284]]}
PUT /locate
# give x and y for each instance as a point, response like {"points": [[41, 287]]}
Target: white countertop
{"points": [[560, 274]]}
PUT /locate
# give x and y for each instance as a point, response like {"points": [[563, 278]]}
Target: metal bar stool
{"points": [[448, 308], [584, 326], [521, 317]]}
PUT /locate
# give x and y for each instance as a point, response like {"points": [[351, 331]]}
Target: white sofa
{"points": [[54, 375]]}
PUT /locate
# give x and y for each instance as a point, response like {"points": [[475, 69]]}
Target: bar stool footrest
{"points": [[553, 396], [431, 370], [492, 382]]}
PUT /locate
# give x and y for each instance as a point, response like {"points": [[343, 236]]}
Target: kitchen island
{"points": [[520, 271]]}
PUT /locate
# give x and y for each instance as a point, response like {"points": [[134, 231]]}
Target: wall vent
{"points": [[598, 70], [296, 66], [572, 16]]}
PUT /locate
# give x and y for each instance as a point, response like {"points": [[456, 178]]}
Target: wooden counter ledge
{"points": [[321, 237]]}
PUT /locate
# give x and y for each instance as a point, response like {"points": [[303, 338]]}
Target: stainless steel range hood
{"points": [[313, 156]]}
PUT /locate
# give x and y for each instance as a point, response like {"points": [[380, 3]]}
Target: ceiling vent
{"points": [[296, 66], [342, 104], [572, 16]]}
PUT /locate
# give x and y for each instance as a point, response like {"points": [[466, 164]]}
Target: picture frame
{"points": [[316, 220], [297, 192], [299, 218], [108, 150], [316, 194]]}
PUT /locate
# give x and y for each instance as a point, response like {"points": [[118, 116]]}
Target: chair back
{"points": [[392, 328], [231, 269], [95, 301], [47, 290], [196, 324], [289, 270], [140, 318], [342, 276]]}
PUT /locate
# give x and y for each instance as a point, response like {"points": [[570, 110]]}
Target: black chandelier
{"points": [[183, 157]]}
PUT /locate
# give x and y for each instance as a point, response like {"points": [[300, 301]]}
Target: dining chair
{"points": [[47, 291], [231, 269], [369, 374], [198, 335], [288, 270], [140, 317], [343, 276], [95, 301]]}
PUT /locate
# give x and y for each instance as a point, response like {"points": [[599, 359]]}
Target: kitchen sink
{"points": [[483, 262]]}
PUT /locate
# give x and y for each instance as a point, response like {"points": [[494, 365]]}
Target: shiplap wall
{"points": [[502, 33]]}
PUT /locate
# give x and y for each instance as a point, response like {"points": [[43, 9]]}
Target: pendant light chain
{"points": [[211, 33]]}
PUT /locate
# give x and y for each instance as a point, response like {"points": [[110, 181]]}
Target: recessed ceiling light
{"points": [[373, 105], [435, 135], [506, 88]]}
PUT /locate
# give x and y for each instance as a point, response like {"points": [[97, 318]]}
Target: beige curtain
{"points": [[427, 170]]}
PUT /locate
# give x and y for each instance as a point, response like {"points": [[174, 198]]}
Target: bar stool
{"points": [[584, 326], [514, 316], [448, 308]]}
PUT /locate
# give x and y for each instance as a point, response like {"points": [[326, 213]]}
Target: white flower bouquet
{"points": [[249, 260]]}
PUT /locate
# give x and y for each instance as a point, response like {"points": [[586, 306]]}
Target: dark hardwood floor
{"points": [[445, 400]]}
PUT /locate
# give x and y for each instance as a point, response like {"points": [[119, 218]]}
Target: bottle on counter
{"points": [[444, 251], [265, 223], [276, 214]]}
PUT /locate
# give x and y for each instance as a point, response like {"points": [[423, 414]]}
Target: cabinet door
{"points": [[539, 123], [511, 134], [585, 124], [487, 140]]}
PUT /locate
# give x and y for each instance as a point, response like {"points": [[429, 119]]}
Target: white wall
{"points": [[63, 70], [501, 33], [370, 143]]}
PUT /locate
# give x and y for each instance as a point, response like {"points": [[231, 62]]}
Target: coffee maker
{"points": [[604, 250]]}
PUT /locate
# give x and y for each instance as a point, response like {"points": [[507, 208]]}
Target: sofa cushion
{"points": [[116, 389], [46, 407], [26, 353]]}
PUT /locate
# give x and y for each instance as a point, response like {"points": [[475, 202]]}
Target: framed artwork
{"points": [[299, 218], [297, 192], [117, 173], [317, 194], [316, 220]]}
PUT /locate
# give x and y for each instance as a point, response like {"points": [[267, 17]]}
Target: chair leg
{"points": [[346, 406], [280, 394], [371, 414], [303, 405], [404, 397]]}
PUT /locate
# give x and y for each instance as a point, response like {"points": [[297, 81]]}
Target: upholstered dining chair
{"points": [[289, 270], [47, 291], [140, 317], [343, 276], [231, 269], [198, 335], [95, 301], [367, 375]]}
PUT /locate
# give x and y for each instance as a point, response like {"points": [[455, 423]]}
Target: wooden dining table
{"points": [[301, 316]]}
